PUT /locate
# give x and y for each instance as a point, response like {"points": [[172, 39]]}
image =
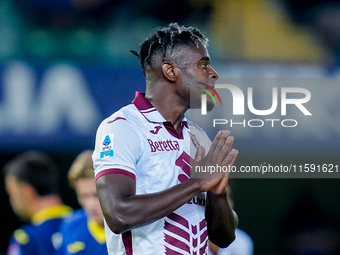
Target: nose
{"points": [[213, 74]]}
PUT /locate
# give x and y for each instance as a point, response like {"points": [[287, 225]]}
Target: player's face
{"points": [[87, 197], [195, 66], [16, 193]]}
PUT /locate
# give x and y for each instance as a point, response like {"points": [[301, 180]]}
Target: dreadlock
{"points": [[164, 39]]}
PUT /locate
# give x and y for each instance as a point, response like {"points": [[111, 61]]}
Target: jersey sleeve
{"points": [[117, 148]]}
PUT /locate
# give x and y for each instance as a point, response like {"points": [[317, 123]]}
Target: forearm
{"points": [[154, 206], [221, 219], [128, 212]]}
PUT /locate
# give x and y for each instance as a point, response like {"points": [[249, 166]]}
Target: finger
{"points": [[214, 143], [200, 153], [224, 182], [220, 186], [221, 139], [234, 158], [225, 151], [230, 159]]}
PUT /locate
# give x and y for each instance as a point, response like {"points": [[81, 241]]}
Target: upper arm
{"points": [[112, 190], [117, 150]]}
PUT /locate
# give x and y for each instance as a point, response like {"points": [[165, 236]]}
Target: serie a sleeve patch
{"points": [[107, 147]]}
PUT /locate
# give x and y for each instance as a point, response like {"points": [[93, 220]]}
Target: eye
{"points": [[204, 66]]}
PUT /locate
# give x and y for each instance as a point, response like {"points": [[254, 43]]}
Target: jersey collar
{"points": [[58, 211], [147, 109], [153, 115], [96, 231]]}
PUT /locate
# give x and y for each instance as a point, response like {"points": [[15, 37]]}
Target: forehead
{"points": [[191, 52]]}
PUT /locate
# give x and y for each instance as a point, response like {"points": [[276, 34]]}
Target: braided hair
{"points": [[165, 39]]}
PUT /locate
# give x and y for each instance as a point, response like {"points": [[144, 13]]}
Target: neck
{"points": [[169, 104], [101, 223], [44, 202]]}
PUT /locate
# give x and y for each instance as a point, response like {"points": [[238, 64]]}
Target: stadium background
{"points": [[65, 65]]}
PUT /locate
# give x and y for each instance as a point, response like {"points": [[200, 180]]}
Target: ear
{"points": [[169, 71]]}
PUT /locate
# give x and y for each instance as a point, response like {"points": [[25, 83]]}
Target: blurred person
{"points": [[143, 157], [83, 232], [31, 181], [242, 245]]}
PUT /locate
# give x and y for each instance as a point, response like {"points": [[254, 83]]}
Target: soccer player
{"points": [[142, 157], [32, 184], [83, 232]]}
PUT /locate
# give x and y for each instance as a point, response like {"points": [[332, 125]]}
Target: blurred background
{"points": [[66, 64]]}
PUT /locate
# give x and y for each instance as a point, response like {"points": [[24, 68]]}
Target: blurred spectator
{"points": [[32, 184], [83, 231]]}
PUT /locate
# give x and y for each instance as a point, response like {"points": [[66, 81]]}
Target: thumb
{"points": [[200, 153]]}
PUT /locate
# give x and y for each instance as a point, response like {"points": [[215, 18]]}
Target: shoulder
{"points": [[74, 226], [24, 234], [124, 123], [121, 129], [72, 220], [35, 238], [126, 116], [24, 241]]}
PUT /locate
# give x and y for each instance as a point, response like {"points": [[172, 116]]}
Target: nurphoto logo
{"points": [[278, 100]]}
